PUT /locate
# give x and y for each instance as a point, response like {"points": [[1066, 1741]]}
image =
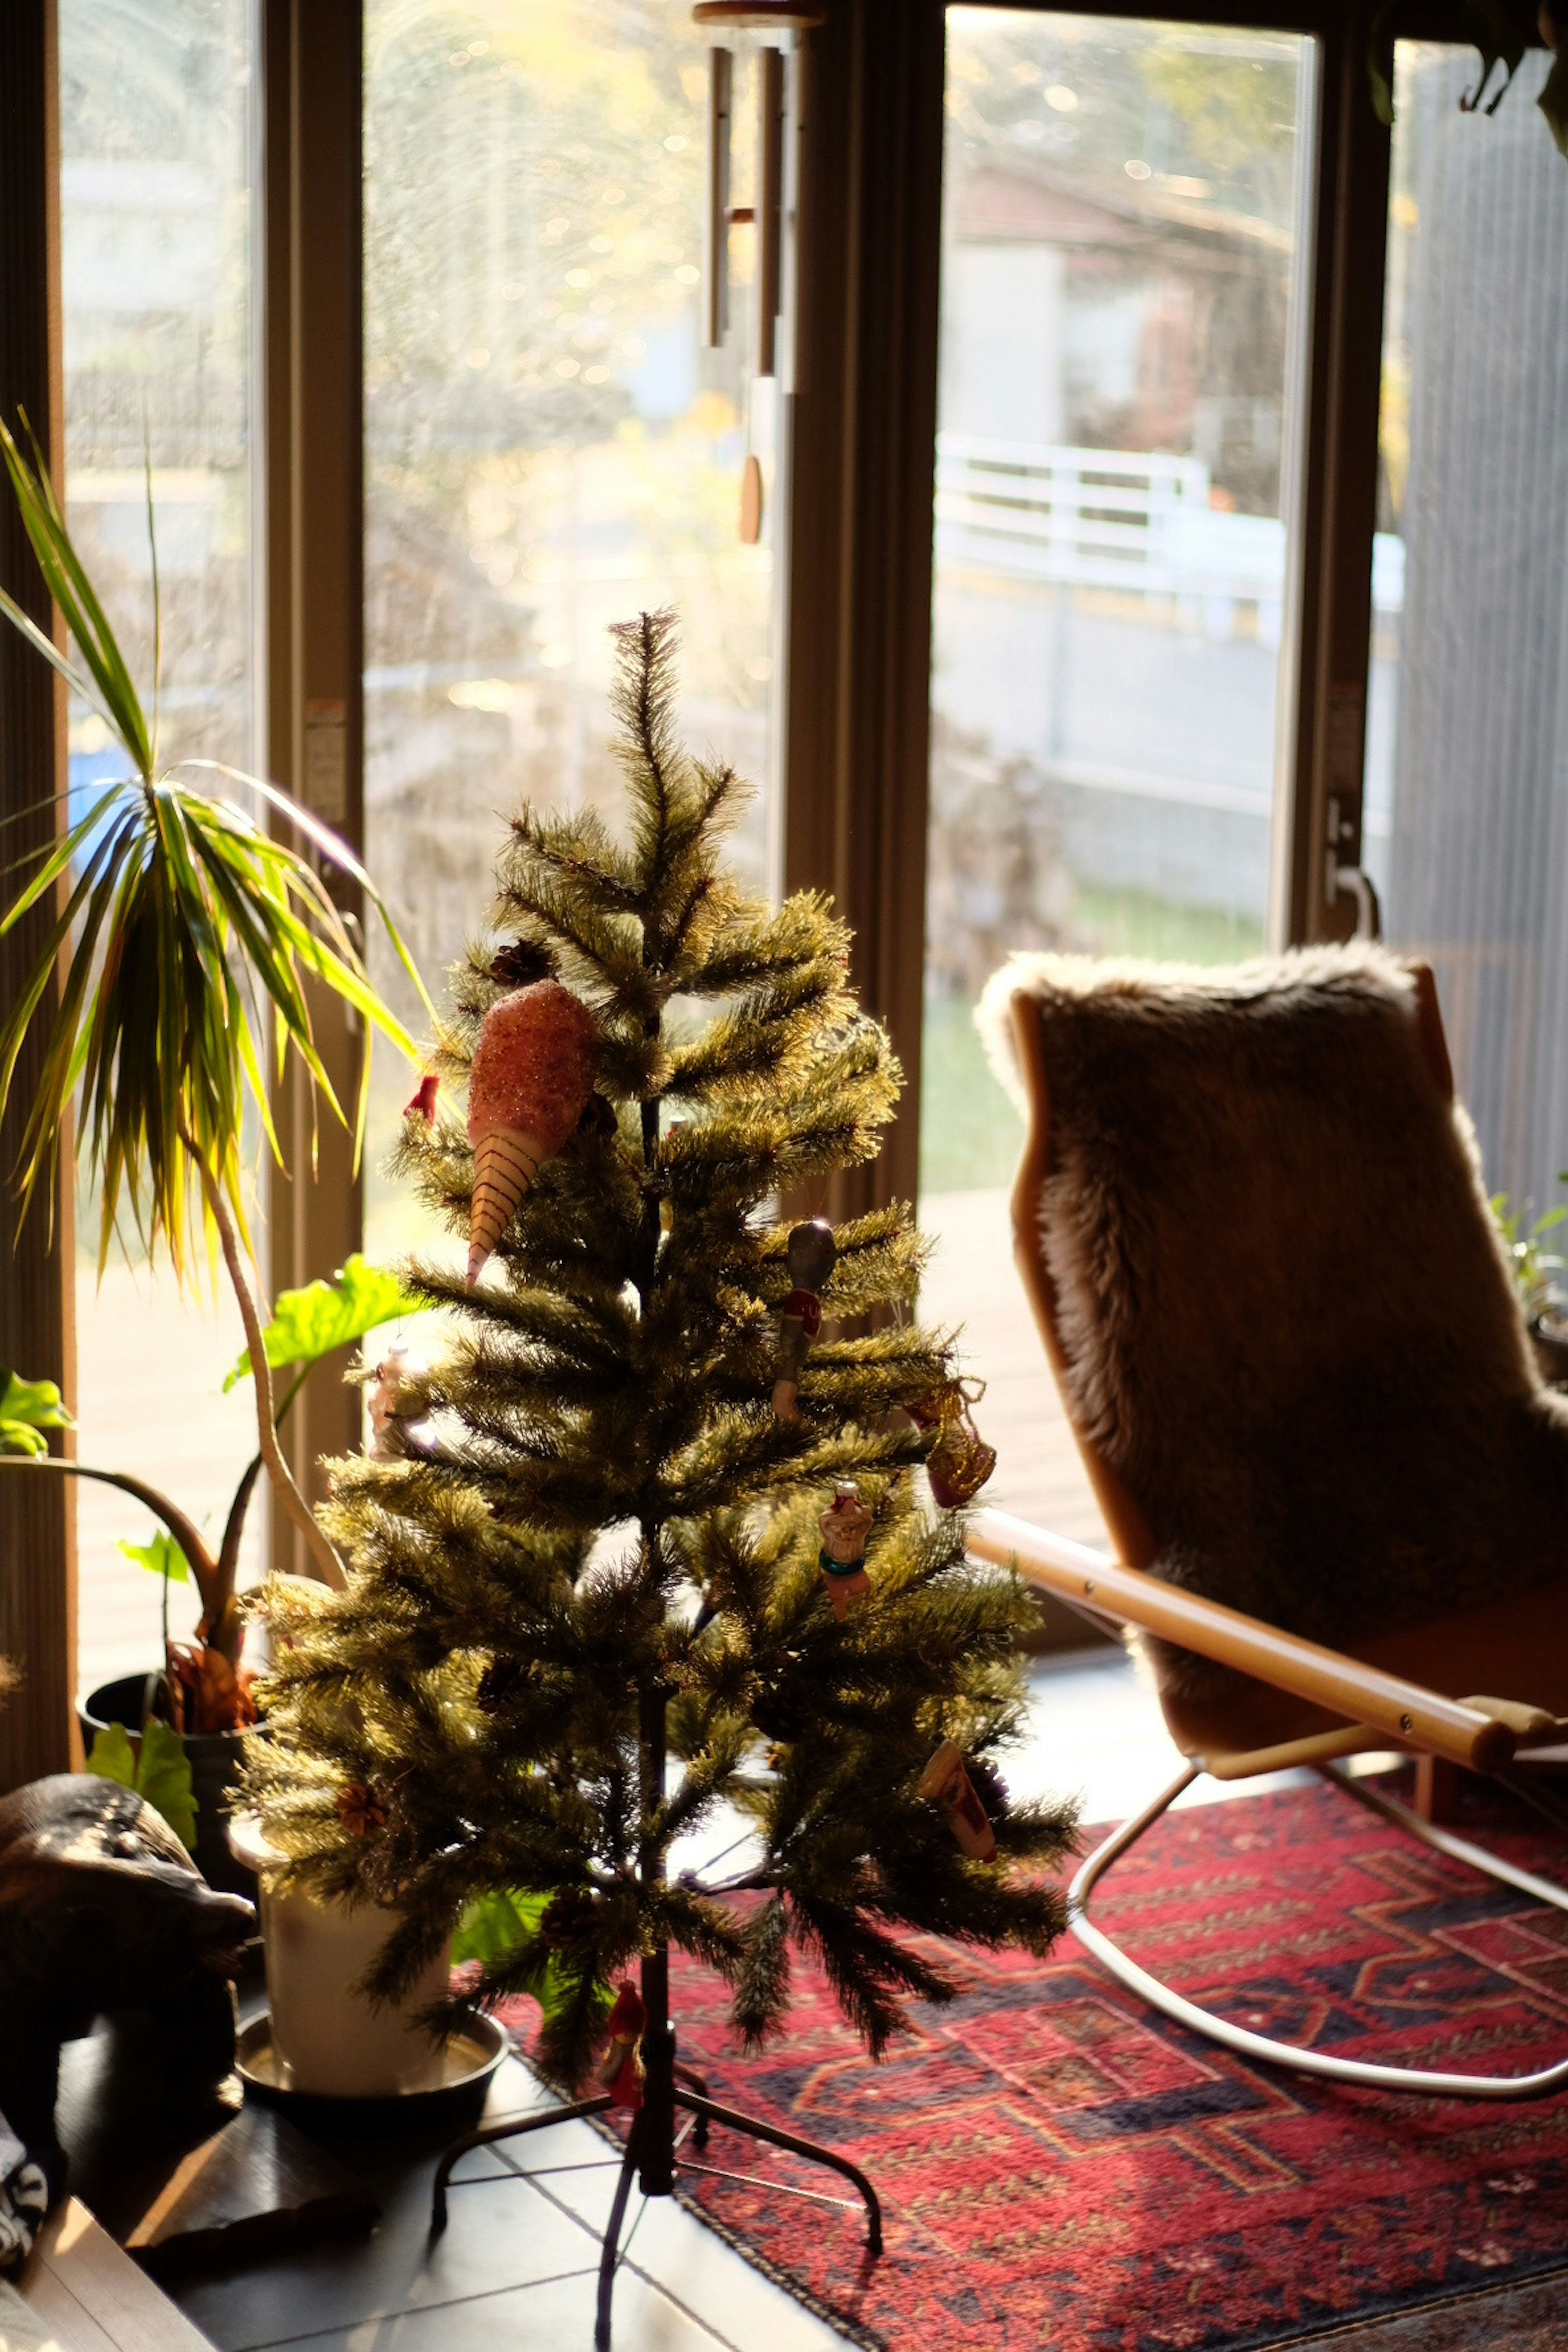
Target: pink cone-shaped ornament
{"points": [[532, 1074]]}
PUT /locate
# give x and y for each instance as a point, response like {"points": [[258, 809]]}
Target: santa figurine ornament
{"points": [[620, 2069], [531, 1077], [811, 1255], [842, 1560], [946, 1783], [395, 1431]]}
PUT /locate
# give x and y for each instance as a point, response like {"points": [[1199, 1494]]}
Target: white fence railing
{"points": [[1139, 521]]}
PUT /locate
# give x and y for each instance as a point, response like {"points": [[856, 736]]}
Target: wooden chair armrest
{"points": [[1411, 1715]]}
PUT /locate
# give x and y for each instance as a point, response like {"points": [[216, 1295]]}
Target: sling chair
{"points": [[1250, 1222]]}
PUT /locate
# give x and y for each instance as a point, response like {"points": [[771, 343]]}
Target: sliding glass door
{"points": [[1123, 275]]}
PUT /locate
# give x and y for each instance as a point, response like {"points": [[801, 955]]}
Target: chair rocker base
{"points": [[1297, 2058]]}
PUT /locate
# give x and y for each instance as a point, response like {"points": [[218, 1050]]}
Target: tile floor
{"points": [[518, 2264]]}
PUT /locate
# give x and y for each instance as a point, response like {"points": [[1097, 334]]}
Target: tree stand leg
{"points": [[490, 2132], [653, 2146], [651, 2151], [706, 2109], [609, 2251], [697, 2082]]}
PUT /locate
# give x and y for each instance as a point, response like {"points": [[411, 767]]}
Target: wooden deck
{"points": [[971, 1284]]}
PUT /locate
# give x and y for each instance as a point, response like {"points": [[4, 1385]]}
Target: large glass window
{"points": [[1467, 780], [549, 447], [156, 137], [1124, 210]]}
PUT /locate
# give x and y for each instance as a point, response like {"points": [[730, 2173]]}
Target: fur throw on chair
{"points": [[1289, 1326]]}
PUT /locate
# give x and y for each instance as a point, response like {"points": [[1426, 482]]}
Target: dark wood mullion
{"points": [[314, 537], [1338, 505], [858, 623], [38, 1265]]}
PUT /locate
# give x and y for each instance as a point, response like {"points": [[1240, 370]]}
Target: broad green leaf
{"points": [[112, 1756], [307, 1324], [161, 1774], [162, 1557], [490, 1930], [27, 1409], [494, 1923], [164, 1777]]}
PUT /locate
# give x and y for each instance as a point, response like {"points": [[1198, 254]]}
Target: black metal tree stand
{"points": [[653, 2148]]}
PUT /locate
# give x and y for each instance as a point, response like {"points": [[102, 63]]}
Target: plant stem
{"points": [[204, 1567], [234, 1529], [328, 1566]]}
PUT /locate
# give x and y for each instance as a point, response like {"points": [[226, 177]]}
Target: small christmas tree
{"points": [[630, 1534]]}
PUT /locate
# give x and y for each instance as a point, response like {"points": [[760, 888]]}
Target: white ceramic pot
{"points": [[325, 2038]]}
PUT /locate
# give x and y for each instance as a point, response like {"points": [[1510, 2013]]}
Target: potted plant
{"points": [[200, 1691], [1534, 1269], [185, 928]]}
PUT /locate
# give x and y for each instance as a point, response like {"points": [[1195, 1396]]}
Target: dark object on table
{"points": [[454, 2100], [214, 1768], [103, 1910]]}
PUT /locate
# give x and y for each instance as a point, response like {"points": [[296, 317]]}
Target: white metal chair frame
{"points": [[1075, 1573], [1303, 2058]]}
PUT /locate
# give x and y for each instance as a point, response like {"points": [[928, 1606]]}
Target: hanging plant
{"points": [[1501, 30], [185, 928]]}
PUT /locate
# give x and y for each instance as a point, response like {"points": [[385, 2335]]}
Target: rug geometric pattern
{"points": [[1060, 2168]]}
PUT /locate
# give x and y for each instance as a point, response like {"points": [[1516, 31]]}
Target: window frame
{"points": [[311, 595], [38, 1292], [856, 586]]}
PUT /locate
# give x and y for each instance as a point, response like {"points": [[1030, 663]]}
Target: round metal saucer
{"points": [[449, 2100]]}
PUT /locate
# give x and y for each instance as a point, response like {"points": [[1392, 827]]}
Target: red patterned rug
{"points": [[1060, 2168]]}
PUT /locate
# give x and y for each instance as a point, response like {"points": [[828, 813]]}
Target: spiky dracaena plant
{"points": [[185, 929], [615, 1529]]}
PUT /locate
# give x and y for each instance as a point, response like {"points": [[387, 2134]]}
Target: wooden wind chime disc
{"points": [[750, 502]]}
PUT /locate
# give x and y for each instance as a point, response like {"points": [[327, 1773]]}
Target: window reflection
{"points": [[1468, 729]]}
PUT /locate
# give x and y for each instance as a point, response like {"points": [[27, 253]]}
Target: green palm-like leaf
{"points": [[186, 925]]}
